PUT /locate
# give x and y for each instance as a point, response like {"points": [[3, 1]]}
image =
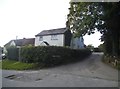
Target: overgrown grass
{"points": [[110, 61], [15, 65]]}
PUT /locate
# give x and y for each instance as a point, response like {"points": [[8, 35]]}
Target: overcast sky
{"points": [[26, 18]]}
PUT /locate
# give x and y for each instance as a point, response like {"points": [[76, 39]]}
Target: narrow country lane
{"points": [[88, 73]]}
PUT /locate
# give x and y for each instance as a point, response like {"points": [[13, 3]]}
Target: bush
{"points": [[52, 55], [97, 50], [112, 61]]}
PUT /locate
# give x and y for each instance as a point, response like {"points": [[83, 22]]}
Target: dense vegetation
{"points": [[85, 18], [52, 55], [31, 57]]}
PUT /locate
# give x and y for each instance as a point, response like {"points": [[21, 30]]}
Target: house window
{"points": [[40, 38], [54, 37]]}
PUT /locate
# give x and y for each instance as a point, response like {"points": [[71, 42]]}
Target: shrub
{"points": [[52, 55], [112, 61], [97, 50]]}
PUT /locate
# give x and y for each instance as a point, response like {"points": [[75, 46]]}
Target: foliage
{"points": [[52, 55], [101, 47], [112, 61], [90, 46], [97, 49], [15, 65], [85, 18]]}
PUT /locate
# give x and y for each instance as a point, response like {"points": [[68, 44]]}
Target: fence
{"points": [[13, 53]]}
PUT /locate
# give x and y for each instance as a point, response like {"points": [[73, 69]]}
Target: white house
{"points": [[58, 37], [77, 43], [54, 37], [20, 42]]}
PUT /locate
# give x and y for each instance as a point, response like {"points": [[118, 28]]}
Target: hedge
{"points": [[52, 55]]}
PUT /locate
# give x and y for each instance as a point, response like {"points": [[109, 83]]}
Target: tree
{"points": [[101, 47], [90, 46], [85, 18]]}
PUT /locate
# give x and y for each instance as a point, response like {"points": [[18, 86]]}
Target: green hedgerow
{"points": [[52, 55]]}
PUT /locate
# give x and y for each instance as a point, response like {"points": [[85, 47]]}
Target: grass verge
{"points": [[108, 61], [15, 65]]}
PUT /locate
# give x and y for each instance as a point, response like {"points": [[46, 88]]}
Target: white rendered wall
{"points": [[58, 42], [77, 43]]}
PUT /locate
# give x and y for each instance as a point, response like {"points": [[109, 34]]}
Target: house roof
{"points": [[52, 31], [22, 42]]}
